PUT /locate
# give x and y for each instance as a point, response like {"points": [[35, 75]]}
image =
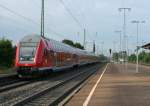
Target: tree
{"points": [[143, 57], [78, 45], [7, 52], [132, 58], [69, 42], [115, 56], [147, 58]]}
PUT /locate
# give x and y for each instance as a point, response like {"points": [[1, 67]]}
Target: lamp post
{"points": [[120, 32], [102, 44], [137, 41], [124, 29]]}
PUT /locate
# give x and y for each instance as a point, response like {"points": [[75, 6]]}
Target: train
{"points": [[37, 55]]}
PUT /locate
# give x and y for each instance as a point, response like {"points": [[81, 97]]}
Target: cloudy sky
{"points": [[22, 17]]}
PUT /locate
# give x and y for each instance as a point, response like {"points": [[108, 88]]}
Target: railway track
{"points": [[9, 79], [12, 81], [14, 84], [51, 96], [42, 89]]}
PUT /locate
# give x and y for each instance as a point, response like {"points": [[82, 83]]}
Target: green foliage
{"points": [[7, 53], [147, 58], [115, 56], [78, 45], [71, 43], [143, 57], [132, 58]]}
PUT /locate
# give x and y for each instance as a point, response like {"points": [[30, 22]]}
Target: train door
{"points": [[51, 58], [75, 59], [59, 59], [56, 59], [45, 60]]}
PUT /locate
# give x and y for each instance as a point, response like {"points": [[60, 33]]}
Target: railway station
{"points": [[74, 53]]}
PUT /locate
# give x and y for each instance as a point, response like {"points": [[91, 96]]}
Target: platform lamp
{"points": [[137, 22]]}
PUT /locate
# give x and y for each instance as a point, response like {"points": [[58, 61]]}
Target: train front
{"points": [[26, 55]]}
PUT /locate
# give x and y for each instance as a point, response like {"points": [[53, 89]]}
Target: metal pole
{"points": [[137, 53], [42, 19], [84, 38], [102, 46], [120, 46], [94, 49], [124, 29], [120, 41], [114, 44], [78, 34]]}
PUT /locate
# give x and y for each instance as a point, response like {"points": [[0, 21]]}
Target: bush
{"points": [[143, 57], [7, 53]]}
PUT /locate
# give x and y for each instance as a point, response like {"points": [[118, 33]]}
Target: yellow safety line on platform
{"points": [[86, 102]]}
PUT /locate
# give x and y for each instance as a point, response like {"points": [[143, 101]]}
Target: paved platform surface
{"points": [[119, 86]]}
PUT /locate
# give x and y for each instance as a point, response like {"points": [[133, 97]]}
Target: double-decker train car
{"points": [[37, 54]]}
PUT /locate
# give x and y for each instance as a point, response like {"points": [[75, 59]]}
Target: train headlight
{"points": [[21, 58], [32, 59]]}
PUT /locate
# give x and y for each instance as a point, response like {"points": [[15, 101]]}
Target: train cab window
{"points": [[27, 53]]}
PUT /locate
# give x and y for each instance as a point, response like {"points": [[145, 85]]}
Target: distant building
{"points": [[146, 46]]}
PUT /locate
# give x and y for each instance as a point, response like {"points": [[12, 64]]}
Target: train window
{"points": [[27, 53], [45, 52]]}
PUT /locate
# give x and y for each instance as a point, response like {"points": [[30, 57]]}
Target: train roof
{"points": [[55, 45], [31, 38]]}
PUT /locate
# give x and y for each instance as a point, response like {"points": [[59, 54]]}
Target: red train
{"points": [[36, 54]]}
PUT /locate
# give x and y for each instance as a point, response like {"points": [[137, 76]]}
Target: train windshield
{"points": [[27, 51]]}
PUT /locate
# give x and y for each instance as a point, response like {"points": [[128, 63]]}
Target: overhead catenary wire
{"points": [[28, 19], [71, 14], [84, 19], [46, 13], [67, 9], [17, 14], [80, 13], [73, 17]]}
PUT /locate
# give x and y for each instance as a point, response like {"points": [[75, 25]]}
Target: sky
{"points": [[19, 18]]}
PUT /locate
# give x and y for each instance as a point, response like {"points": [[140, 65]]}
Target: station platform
{"points": [[117, 85]]}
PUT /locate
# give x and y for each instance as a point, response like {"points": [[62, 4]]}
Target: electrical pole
{"points": [[94, 48], [120, 46], [114, 46], [78, 34], [137, 53], [84, 40], [124, 29], [42, 19], [102, 44]]}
